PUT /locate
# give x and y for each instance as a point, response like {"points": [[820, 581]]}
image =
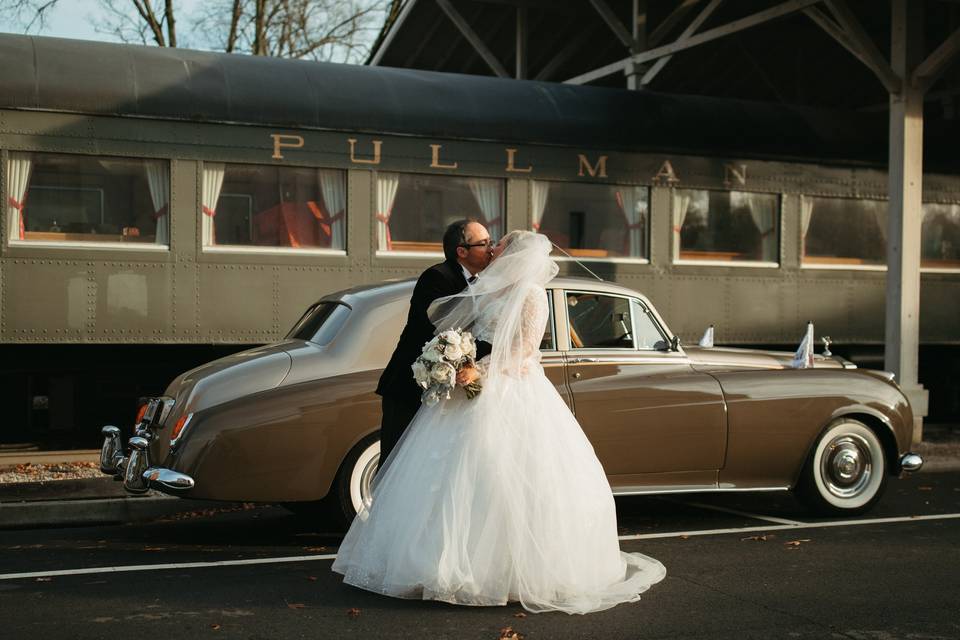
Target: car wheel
{"points": [[846, 472], [355, 478]]}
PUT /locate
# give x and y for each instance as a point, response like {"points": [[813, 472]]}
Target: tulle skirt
{"points": [[495, 499]]}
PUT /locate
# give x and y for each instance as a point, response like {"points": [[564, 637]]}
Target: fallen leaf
{"points": [[925, 488], [353, 613], [796, 543], [520, 615], [312, 578], [215, 627], [684, 537], [295, 605], [762, 538], [507, 633]]}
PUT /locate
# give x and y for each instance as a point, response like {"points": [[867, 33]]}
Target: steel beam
{"points": [[686, 35], [905, 213], [566, 52], [461, 23], [928, 71], [866, 51], [394, 29], [614, 23], [666, 26], [521, 55]]}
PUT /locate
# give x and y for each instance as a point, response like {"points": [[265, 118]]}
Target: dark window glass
{"points": [[321, 323], [413, 210], [74, 198], [940, 243], [843, 231], [599, 321], [266, 206], [592, 220], [725, 225]]}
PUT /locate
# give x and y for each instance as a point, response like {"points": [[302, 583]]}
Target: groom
{"points": [[467, 249]]}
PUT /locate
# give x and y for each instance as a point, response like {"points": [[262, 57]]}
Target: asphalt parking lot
{"points": [[739, 566]]}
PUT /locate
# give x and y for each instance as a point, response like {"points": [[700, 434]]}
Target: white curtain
{"points": [[539, 192], [158, 177], [764, 218], [632, 207], [18, 181], [880, 214], [334, 188], [489, 197], [806, 215], [681, 204], [387, 184], [213, 173]]}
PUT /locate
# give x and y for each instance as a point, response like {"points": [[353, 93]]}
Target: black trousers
{"points": [[398, 411]]}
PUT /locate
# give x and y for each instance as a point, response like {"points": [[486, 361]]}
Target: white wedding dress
{"points": [[499, 498]]}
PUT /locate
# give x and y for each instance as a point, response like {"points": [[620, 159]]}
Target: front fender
{"points": [[281, 445]]}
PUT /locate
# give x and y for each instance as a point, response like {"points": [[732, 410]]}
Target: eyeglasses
{"points": [[467, 245]]}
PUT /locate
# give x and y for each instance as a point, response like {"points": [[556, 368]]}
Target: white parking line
{"points": [[781, 527], [754, 516], [158, 567], [331, 556]]}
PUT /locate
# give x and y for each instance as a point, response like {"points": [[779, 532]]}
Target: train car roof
{"points": [[54, 74]]}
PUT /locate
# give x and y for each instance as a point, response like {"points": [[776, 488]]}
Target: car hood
{"points": [[225, 379], [732, 357]]}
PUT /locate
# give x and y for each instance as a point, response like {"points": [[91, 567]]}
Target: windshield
{"points": [[321, 323]]}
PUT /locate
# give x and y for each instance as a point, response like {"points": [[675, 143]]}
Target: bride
{"points": [[501, 497]]}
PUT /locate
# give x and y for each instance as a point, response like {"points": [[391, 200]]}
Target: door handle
{"points": [[582, 360]]}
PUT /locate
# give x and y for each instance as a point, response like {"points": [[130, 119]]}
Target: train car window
{"points": [[940, 236], [77, 198], [593, 220], [412, 210], [725, 226], [599, 321], [843, 231], [321, 323], [267, 206]]}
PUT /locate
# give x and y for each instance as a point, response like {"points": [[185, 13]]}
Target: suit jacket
{"points": [[444, 279]]}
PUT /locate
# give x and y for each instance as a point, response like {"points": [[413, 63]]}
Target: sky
{"points": [[76, 19]]}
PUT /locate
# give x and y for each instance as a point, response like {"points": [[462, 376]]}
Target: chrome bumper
{"points": [[910, 462], [135, 470]]}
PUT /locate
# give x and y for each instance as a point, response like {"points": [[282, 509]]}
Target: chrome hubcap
{"points": [[366, 480], [846, 466]]}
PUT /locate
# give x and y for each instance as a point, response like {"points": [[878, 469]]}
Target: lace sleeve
{"points": [[533, 323]]}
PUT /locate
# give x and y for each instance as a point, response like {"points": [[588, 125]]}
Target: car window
{"points": [[321, 323], [548, 344], [599, 321], [647, 334]]}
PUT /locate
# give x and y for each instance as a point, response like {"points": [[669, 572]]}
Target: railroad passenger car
{"points": [[164, 207]]}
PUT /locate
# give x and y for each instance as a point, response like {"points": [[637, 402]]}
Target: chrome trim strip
{"points": [[706, 488]]}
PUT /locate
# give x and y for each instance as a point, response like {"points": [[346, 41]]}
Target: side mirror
{"points": [[675, 343]]}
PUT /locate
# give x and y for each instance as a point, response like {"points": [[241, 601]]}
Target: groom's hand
{"points": [[467, 375]]}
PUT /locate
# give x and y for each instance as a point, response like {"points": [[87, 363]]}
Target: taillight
{"points": [[142, 410], [178, 427]]}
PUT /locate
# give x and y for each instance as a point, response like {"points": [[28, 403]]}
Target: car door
{"points": [[653, 420]]}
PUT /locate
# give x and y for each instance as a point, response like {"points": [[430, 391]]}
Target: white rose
{"points": [[431, 355], [444, 373], [453, 352], [451, 337], [420, 373], [466, 340]]}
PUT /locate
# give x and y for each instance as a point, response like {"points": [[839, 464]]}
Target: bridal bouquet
{"points": [[436, 368]]}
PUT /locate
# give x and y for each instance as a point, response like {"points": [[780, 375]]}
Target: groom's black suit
{"points": [[401, 395]]}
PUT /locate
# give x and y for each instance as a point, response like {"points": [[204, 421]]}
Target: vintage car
{"points": [[296, 422]]}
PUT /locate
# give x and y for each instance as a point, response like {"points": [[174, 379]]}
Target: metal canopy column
{"points": [[902, 339]]}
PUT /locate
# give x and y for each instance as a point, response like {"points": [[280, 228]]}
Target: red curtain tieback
{"points": [[15, 204], [207, 210], [159, 213]]}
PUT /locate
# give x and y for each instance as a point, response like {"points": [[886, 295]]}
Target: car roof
{"points": [[384, 292]]}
